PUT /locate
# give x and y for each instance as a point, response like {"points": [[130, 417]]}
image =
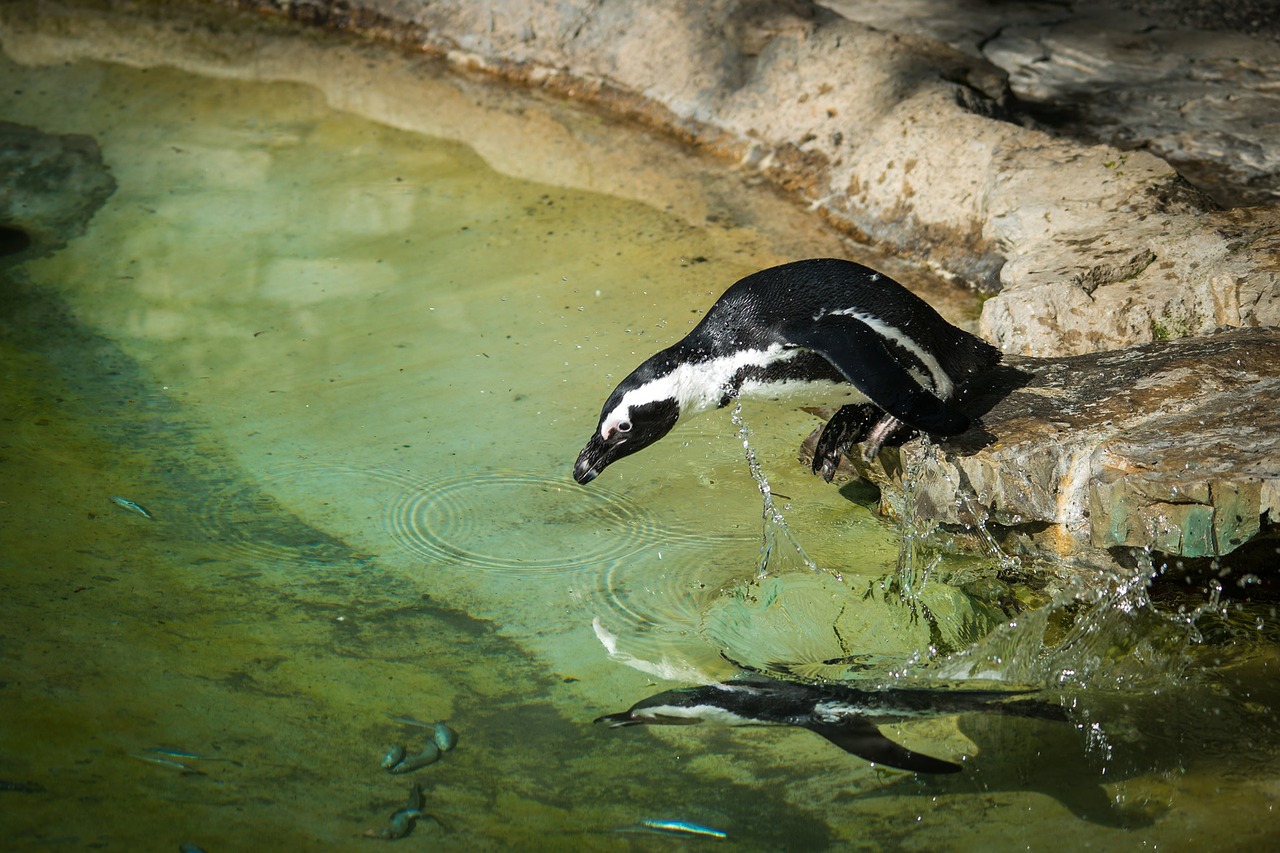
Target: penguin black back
{"points": [[804, 292]]}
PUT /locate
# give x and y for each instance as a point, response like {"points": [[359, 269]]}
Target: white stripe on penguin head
{"points": [[694, 386]]}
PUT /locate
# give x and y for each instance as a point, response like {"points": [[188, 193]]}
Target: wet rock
{"points": [[50, 187], [1171, 446], [801, 624]]}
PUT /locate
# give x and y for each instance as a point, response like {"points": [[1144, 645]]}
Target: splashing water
{"points": [[778, 548], [922, 549]]}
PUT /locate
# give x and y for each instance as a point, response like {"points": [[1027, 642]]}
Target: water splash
{"points": [[924, 546], [779, 550], [1099, 632]]}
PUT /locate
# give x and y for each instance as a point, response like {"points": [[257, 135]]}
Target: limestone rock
{"points": [[1172, 446], [905, 138], [1193, 84]]}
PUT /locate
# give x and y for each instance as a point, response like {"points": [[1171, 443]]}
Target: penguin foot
{"points": [[848, 426]]}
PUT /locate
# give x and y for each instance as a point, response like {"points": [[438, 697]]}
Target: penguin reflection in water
{"points": [[821, 332], [846, 716]]}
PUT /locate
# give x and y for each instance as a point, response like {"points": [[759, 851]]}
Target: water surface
{"points": [[346, 367]]}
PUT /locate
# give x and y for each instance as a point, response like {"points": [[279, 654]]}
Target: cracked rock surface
{"points": [[1167, 446]]}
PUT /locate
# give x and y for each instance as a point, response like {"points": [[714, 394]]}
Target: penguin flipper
{"points": [[857, 351], [863, 739]]}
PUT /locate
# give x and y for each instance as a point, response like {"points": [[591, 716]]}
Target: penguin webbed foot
{"points": [[860, 422], [848, 426]]}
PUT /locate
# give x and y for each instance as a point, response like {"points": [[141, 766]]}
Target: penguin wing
{"points": [[864, 740], [859, 353]]}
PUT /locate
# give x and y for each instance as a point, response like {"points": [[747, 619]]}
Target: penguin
{"points": [[823, 331], [846, 716]]}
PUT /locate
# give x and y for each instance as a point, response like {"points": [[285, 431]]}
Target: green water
{"points": [[346, 368]]}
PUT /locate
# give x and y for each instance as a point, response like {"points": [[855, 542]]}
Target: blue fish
{"points": [[132, 506], [674, 827]]}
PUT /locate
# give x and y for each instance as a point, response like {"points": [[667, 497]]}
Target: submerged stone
{"points": [[50, 187]]}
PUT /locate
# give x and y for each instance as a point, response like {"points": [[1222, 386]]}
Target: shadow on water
{"points": [[1166, 677]]}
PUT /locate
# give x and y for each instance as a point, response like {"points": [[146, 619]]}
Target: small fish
{"points": [[674, 827], [393, 757], [188, 847], [132, 506], [187, 770], [402, 819], [400, 825], [174, 752], [408, 721], [21, 787], [416, 800], [444, 736], [430, 755]]}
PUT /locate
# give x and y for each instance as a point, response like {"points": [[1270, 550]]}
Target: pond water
{"points": [[345, 367]]}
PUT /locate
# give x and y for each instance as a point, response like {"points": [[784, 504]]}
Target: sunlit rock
{"points": [[898, 123], [1172, 446]]}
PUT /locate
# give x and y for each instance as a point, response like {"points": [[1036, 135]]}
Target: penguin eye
{"points": [[625, 426]]}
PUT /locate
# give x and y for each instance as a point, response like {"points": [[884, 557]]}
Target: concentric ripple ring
{"points": [[511, 521]]}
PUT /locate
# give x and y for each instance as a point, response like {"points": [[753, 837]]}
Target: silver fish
{"points": [[674, 827], [187, 770], [402, 819], [393, 757], [174, 752], [430, 755], [132, 506], [444, 736]]}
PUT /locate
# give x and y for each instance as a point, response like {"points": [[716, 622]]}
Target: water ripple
{"points": [[244, 520], [512, 521]]}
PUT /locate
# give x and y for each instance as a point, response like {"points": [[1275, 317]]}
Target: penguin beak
{"points": [[594, 458]]}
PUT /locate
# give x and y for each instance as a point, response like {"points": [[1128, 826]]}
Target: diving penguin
{"points": [[823, 331], [846, 716]]}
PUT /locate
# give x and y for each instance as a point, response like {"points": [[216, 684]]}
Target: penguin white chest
{"points": [[806, 392]]}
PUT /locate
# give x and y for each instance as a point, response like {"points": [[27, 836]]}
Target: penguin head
{"points": [[626, 425]]}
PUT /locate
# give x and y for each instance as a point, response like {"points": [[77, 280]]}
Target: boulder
{"points": [[1170, 446], [50, 186]]}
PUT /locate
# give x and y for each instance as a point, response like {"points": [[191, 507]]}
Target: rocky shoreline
{"points": [[1030, 150]]}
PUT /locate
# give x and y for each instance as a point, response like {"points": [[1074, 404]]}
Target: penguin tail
{"points": [[969, 356]]}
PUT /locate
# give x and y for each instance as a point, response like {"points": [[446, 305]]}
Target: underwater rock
{"points": [[802, 624], [1090, 245], [1172, 446], [50, 187]]}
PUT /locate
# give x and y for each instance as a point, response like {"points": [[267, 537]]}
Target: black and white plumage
{"points": [[846, 716], [821, 332]]}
